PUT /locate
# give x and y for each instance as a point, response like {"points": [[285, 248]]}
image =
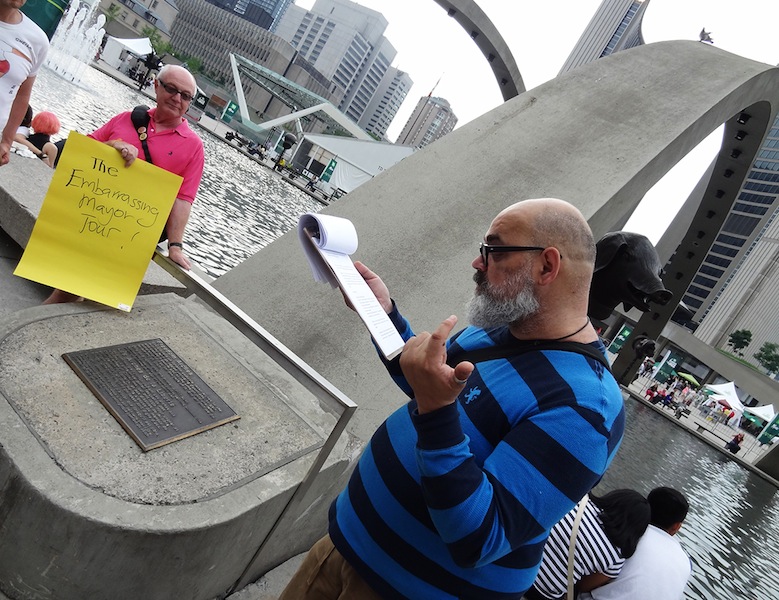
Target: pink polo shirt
{"points": [[178, 150]]}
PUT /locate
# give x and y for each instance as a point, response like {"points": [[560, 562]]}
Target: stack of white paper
{"points": [[328, 242]]}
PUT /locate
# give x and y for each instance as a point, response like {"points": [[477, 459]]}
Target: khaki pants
{"points": [[325, 575]]}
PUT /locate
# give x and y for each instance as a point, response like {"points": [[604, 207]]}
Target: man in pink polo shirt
{"points": [[172, 145]]}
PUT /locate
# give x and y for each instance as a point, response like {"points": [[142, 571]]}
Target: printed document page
{"points": [[328, 242]]}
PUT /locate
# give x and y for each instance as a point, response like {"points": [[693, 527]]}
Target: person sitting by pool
{"points": [[659, 395], [651, 392], [44, 125], [609, 529], [24, 128], [734, 445]]}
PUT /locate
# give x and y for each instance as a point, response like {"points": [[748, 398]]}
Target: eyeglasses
{"points": [[486, 249], [173, 90]]}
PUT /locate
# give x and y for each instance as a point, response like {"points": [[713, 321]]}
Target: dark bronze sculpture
{"points": [[627, 270]]}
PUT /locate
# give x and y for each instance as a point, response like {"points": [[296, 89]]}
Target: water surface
{"points": [[732, 530]]}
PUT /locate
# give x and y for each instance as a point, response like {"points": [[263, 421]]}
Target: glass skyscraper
{"points": [[615, 26]]}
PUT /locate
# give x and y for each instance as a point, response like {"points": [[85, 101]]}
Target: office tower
{"points": [[387, 100], [204, 30], [133, 18], [737, 286], [264, 13], [432, 119], [345, 42], [615, 26]]}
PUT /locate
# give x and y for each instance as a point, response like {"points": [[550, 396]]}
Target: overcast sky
{"points": [[541, 34]]}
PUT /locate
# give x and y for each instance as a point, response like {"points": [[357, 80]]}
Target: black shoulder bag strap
{"points": [[140, 118], [493, 352]]}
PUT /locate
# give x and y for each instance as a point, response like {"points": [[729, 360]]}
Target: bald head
{"points": [[549, 259], [177, 74], [554, 222], [550, 222]]}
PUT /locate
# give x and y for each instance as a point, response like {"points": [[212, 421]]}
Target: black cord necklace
{"points": [[587, 322]]}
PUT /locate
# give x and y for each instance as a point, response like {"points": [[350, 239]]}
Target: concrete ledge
{"points": [[84, 513], [23, 185]]}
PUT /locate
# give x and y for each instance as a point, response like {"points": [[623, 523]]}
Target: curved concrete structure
{"points": [[599, 136], [487, 38], [85, 514]]}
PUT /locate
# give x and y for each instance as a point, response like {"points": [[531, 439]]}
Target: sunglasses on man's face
{"points": [[173, 90], [486, 249]]}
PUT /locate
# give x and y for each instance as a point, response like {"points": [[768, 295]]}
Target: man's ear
{"points": [[550, 265], [674, 529]]}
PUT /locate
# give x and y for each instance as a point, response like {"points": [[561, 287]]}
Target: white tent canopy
{"points": [[358, 161], [727, 392], [764, 412], [112, 53]]}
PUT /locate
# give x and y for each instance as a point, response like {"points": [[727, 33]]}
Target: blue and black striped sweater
{"points": [[457, 503]]}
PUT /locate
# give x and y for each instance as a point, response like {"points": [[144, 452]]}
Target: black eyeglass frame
{"points": [[486, 249], [173, 90]]}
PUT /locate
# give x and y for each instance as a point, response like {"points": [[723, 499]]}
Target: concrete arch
{"points": [[599, 136], [711, 200], [486, 37]]}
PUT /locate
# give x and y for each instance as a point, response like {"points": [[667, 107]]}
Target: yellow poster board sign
{"points": [[99, 224]]}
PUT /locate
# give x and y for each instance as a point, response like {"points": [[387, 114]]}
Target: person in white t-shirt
{"points": [[23, 48], [659, 568]]}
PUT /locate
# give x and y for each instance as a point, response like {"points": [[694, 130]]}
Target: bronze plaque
{"points": [[156, 397]]}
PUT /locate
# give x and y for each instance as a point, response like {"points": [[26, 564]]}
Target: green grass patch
{"points": [[739, 360]]}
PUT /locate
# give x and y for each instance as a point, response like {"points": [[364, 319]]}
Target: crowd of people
{"points": [[676, 393]]}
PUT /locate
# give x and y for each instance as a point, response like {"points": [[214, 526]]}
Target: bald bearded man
{"points": [[511, 421]]}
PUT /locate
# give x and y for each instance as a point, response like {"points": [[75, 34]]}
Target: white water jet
{"points": [[75, 41]]}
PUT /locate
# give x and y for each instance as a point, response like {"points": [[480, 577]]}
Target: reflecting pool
{"points": [[732, 530]]}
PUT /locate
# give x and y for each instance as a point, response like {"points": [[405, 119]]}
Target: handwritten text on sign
{"points": [[105, 209], [99, 223]]}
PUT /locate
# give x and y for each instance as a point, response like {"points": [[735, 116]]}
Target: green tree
{"points": [[194, 64], [111, 13], [155, 39], [166, 48], [768, 357], [739, 340]]}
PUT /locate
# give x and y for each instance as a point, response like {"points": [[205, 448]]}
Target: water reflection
{"points": [[732, 530], [240, 207]]}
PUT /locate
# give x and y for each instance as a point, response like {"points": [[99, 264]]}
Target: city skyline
{"points": [[541, 36]]}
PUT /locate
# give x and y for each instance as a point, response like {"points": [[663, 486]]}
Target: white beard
{"points": [[511, 304]]}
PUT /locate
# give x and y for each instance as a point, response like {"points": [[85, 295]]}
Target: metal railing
{"points": [[329, 396]]}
